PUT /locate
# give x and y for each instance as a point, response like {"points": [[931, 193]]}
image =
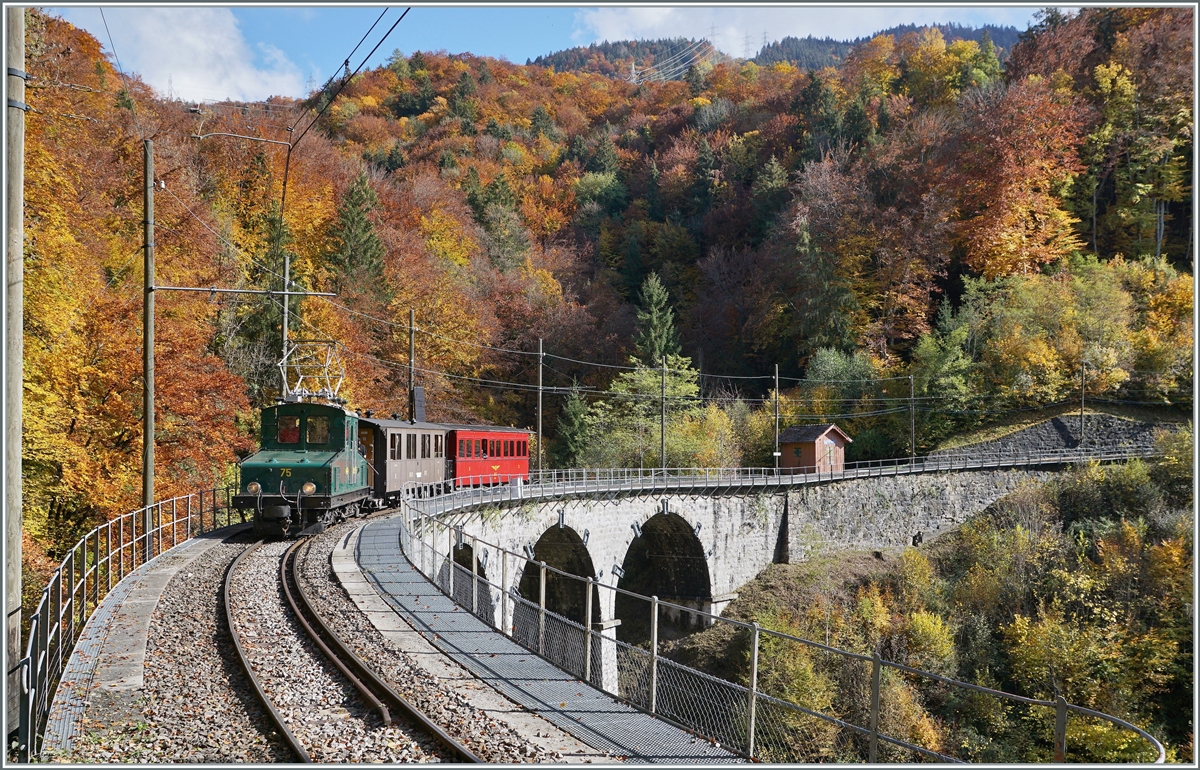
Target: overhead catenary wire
{"points": [[121, 72]]}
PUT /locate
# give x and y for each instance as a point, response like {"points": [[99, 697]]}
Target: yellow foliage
{"points": [[930, 642], [916, 577], [446, 239]]}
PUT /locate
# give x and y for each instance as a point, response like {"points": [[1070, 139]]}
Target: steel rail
{"points": [[364, 677], [292, 741], [301, 610]]}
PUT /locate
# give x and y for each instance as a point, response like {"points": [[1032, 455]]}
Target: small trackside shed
{"points": [[811, 448]]}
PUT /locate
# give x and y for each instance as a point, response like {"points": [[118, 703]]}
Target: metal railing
{"points": [[444, 497], [737, 715], [92, 567]]}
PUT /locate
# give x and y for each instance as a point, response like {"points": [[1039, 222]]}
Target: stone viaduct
{"points": [[696, 547]]}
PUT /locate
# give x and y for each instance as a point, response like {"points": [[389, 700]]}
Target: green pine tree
{"points": [[357, 258], [695, 80], [540, 123], [572, 432], [604, 160], [656, 336]]}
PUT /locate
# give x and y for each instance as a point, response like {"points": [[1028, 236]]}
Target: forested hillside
{"points": [[918, 210]]}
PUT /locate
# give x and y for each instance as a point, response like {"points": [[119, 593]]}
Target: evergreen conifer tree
{"points": [[604, 160], [656, 336], [357, 258], [572, 432]]}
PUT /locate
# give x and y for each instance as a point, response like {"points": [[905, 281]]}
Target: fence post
{"points": [[541, 607], [159, 528], [450, 557], [1060, 729], [587, 633], [96, 579], [120, 549], [189, 523], [653, 654], [474, 576], [875, 667], [753, 686], [174, 521], [503, 591], [108, 547]]}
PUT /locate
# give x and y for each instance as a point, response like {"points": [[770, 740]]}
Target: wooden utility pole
{"points": [[148, 333], [663, 418], [1082, 387], [14, 352], [776, 452], [912, 421]]}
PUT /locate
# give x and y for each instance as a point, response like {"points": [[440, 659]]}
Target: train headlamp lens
{"points": [[308, 488], [254, 487]]}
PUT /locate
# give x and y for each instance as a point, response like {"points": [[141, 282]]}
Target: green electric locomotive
{"points": [[311, 469]]}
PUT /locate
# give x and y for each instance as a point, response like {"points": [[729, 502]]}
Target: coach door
{"points": [[366, 448]]}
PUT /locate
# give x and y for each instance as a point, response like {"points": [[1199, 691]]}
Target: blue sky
{"points": [[214, 52]]}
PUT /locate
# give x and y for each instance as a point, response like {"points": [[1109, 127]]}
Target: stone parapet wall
{"points": [[889, 511]]}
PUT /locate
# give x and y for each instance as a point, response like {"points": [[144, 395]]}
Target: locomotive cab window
{"points": [[410, 440], [289, 430], [318, 430], [437, 445], [394, 449], [424, 446]]}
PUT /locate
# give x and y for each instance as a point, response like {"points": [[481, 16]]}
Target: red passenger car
{"points": [[487, 455]]}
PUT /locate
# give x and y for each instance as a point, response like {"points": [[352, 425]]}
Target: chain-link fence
{"points": [[795, 700], [91, 568]]}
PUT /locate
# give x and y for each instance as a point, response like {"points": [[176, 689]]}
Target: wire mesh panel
{"points": [[633, 674], [525, 629], [817, 686], [704, 703], [565, 644], [784, 733]]}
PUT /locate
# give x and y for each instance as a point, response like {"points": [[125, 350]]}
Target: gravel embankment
{"points": [[320, 707], [1102, 431], [197, 705], [491, 740]]}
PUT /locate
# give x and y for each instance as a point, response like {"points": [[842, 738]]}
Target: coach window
{"points": [[462, 447], [438, 445], [508, 447], [524, 448], [475, 442], [394, 447], [424, 446], [318, 430], [289, 430], [410, 440]]}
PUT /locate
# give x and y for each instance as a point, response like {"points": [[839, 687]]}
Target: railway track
{"points": [[351, 702]]}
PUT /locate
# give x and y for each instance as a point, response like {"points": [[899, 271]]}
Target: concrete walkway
{"points": [[105, 670], [449, 675], [577, 708]]}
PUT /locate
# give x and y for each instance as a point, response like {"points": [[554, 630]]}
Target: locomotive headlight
{"points": [[254, 487], [308, 488]]}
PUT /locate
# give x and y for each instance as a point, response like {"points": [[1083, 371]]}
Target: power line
{"points": [[346, 80], [121, 72]]}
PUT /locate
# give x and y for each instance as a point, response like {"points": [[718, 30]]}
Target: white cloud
{"points": [[732, 25], [200, 53]]}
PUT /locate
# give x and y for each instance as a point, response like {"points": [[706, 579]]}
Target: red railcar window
{"points": [[477, 452], [524, 448]]}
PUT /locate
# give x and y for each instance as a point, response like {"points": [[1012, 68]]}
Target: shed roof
{"points": [[803, 433]]}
